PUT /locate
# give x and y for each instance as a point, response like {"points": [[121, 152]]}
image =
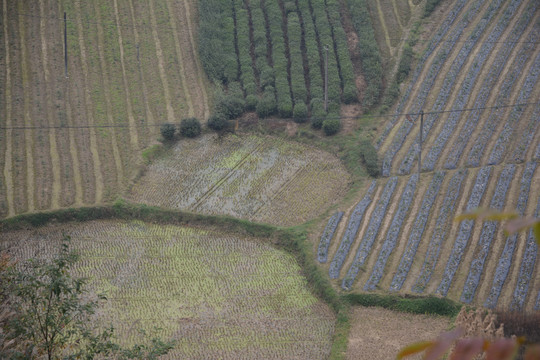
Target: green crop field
{"points": [[218, 294]]}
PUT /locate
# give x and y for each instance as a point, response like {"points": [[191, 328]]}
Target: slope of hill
{"points": [[479, 149], [77, 140]]}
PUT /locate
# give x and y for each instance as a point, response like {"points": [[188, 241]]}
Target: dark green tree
{"points": [[190, 127], [167, 131]]}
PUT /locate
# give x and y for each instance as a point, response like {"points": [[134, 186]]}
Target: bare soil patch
{"points": [[378, 333]]}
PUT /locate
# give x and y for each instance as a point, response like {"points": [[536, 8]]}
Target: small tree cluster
{"points": [[369, 156]]}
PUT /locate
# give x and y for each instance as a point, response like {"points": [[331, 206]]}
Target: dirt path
{"points": [[99, 181], [133, 136], [28, 139], [161, 66], [8, 168], [389, 332]]}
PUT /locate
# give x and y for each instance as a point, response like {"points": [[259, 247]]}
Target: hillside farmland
{"points": [[77, 140], [261, 179], [218, 294], [400, 237]]}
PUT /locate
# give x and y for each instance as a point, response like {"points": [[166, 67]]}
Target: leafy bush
{"points": [[317, 113], [190, 127], [251, 102], [405, 63], [231, 106], [369, 155], [168, 131], [217, 122], [331, 126], [430, 6], [300, 112], [267, 103]]}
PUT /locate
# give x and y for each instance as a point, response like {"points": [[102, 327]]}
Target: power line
{"points": [[146, 27], [121, 126]]}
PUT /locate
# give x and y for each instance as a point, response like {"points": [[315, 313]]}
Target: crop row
{"points": [[370, 234], [505, 261], [350, 232], [341, 48], [486, 237], [393, 233], [487, 85], [516, 114], [464, 232], [425, 88], [433, 44], [367, 50], [491, 123], [277, 49], [327, 236], [450, 78], [417, 231], [440, 231], [466, 87], [298, 84], [247, 75], [522, 146]]}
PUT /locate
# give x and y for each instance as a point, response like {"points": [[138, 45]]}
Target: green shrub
{"points": [[350, 94], [167, 131], [190, 127], [217, 122], [231, 106], [405, 62], [251, 102], [285, 107], [369, 155], [430, 6], [317, 113], [267, 103], [331, 126], [300, 112]]}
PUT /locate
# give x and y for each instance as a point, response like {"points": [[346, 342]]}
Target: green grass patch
{"points": [[429, 305]]}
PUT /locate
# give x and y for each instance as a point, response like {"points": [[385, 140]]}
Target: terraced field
{"points": [[77, 140], [400, 237], [220, 295], [262, 179]]}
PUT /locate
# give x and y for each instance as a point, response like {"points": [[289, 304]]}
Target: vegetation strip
{"points": [[433, 44], [350, 232], [486, 237], [417, 232], [487, 86], [427, 84], [464, 232], [393, 233], [505, 260], [440, 232], [370, 234], [327, 236], [466, 87]]}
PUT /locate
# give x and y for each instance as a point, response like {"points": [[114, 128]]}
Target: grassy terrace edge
{"points": [[292, 240]]}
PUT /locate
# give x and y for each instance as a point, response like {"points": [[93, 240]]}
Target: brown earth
{"points": [[389, 332]]}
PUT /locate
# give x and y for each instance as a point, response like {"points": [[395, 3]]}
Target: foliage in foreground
{"points": [[46, 312]]}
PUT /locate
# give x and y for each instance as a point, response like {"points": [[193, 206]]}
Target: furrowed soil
{"points": [[262, 179], [219, 295]]}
